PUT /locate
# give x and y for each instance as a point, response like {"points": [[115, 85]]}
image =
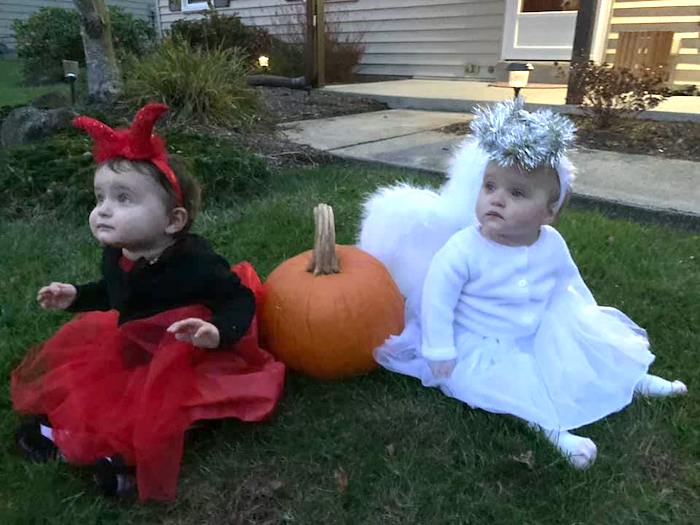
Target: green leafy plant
{"points": [[130, 34], [611, 92], [51, 175], [44, 39], [199, 85], [216, 31], [227, 173], [286, 58], [54, 176], [52, 34]]}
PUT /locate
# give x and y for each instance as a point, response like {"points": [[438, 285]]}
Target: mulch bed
{"points": [[289, 105], [677, 140], [674, 140]]}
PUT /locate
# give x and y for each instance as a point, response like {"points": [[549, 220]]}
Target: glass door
{"points": [[539, 29]]}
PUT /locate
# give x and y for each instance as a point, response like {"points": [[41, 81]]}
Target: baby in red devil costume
{"points": [[168, 335]]}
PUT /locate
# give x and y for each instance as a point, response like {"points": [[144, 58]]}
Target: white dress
{"points": [[528, 336]]}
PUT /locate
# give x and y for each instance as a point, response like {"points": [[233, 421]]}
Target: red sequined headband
{"points": [[135, 143]]}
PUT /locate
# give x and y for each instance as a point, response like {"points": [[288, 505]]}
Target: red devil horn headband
{"points": [[135, 143]]}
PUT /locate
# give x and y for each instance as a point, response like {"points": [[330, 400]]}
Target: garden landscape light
{"points": [[70, 73], [518, 74]]}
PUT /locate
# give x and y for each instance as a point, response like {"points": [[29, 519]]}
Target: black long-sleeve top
{"points": [[188, 272]]}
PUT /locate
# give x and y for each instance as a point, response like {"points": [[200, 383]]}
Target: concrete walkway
{"points": [[409, 139], [462, 95]]}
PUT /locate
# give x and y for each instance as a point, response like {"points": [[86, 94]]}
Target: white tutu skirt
{"points": [[580, 365]]}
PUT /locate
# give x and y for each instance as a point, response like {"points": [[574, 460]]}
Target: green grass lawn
{"points": [[13, 93], [409, 454]]}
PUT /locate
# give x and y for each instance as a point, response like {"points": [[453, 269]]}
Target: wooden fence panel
{"points": [[645, 50]]}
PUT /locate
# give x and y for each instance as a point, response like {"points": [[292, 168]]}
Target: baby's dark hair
{"points": [[191, 191]]}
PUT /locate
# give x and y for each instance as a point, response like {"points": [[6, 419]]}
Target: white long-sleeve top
{"points": [[479, 286]]}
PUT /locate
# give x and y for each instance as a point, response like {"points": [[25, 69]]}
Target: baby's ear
{"points": [[551, 214], [178, 220]]}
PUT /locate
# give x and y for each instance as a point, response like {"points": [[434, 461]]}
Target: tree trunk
{"points": [[103, 75]]}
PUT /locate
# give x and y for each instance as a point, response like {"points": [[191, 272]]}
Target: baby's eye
{"points": [[490, 186], [123, 198], [517, 193], [99, 197]]}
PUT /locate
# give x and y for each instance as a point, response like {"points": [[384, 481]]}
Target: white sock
{"points": [[47, 432], [654, 386], [581, 452]]}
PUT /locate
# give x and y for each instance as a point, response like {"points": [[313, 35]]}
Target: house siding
{"points": [[680, 16], [23, 9], [416, 38]]}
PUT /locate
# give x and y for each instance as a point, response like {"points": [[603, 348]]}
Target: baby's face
{"points": [[130, 211], [512, 205]]}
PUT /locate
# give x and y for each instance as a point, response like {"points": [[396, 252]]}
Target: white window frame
{"points": [[509, 49], [194, 6]]}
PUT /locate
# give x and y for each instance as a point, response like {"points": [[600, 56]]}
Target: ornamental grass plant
{"points": [[199, 85]]}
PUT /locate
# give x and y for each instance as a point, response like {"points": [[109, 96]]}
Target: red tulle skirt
{"points": [[133, 390]]}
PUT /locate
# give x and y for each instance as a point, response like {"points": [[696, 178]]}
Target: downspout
{"points": [[601, 32], [156, 12]]}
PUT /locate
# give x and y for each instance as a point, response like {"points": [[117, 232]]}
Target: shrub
{"points": [[609, 92], [226, 173], [51, 175], [54, 176], [286, 58], [216, 31], [131, 35], [342, 54], [205, 86], [44, 39], [52, 34]]}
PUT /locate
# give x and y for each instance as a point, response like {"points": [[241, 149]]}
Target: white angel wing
{"points": [[404, 226], [396, 229]]}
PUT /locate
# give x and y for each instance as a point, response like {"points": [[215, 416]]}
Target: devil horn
{"points": [[99, 131], [142, 127]]}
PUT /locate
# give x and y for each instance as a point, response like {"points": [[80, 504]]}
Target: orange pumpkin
{"points": [[326, 309]]}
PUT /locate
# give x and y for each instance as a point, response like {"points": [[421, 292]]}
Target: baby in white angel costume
{"points": [[497, 313]]}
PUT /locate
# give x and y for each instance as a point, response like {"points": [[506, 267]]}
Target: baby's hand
{"points": [[442, 369], [56, 296], [196, 331]]}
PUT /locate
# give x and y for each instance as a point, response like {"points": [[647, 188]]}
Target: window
{"points": [[536, 6], [194, 5]]}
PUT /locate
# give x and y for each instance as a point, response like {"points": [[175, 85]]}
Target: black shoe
{"points": [[113, 477], [32, 444]]}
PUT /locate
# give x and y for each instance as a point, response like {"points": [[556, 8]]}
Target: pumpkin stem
{"points": [[324, 261]]}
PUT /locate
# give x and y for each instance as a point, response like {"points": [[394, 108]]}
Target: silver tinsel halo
{"points": [[512, 136]]}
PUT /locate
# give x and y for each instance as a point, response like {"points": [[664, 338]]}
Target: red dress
{"points": [[133, 389]]}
